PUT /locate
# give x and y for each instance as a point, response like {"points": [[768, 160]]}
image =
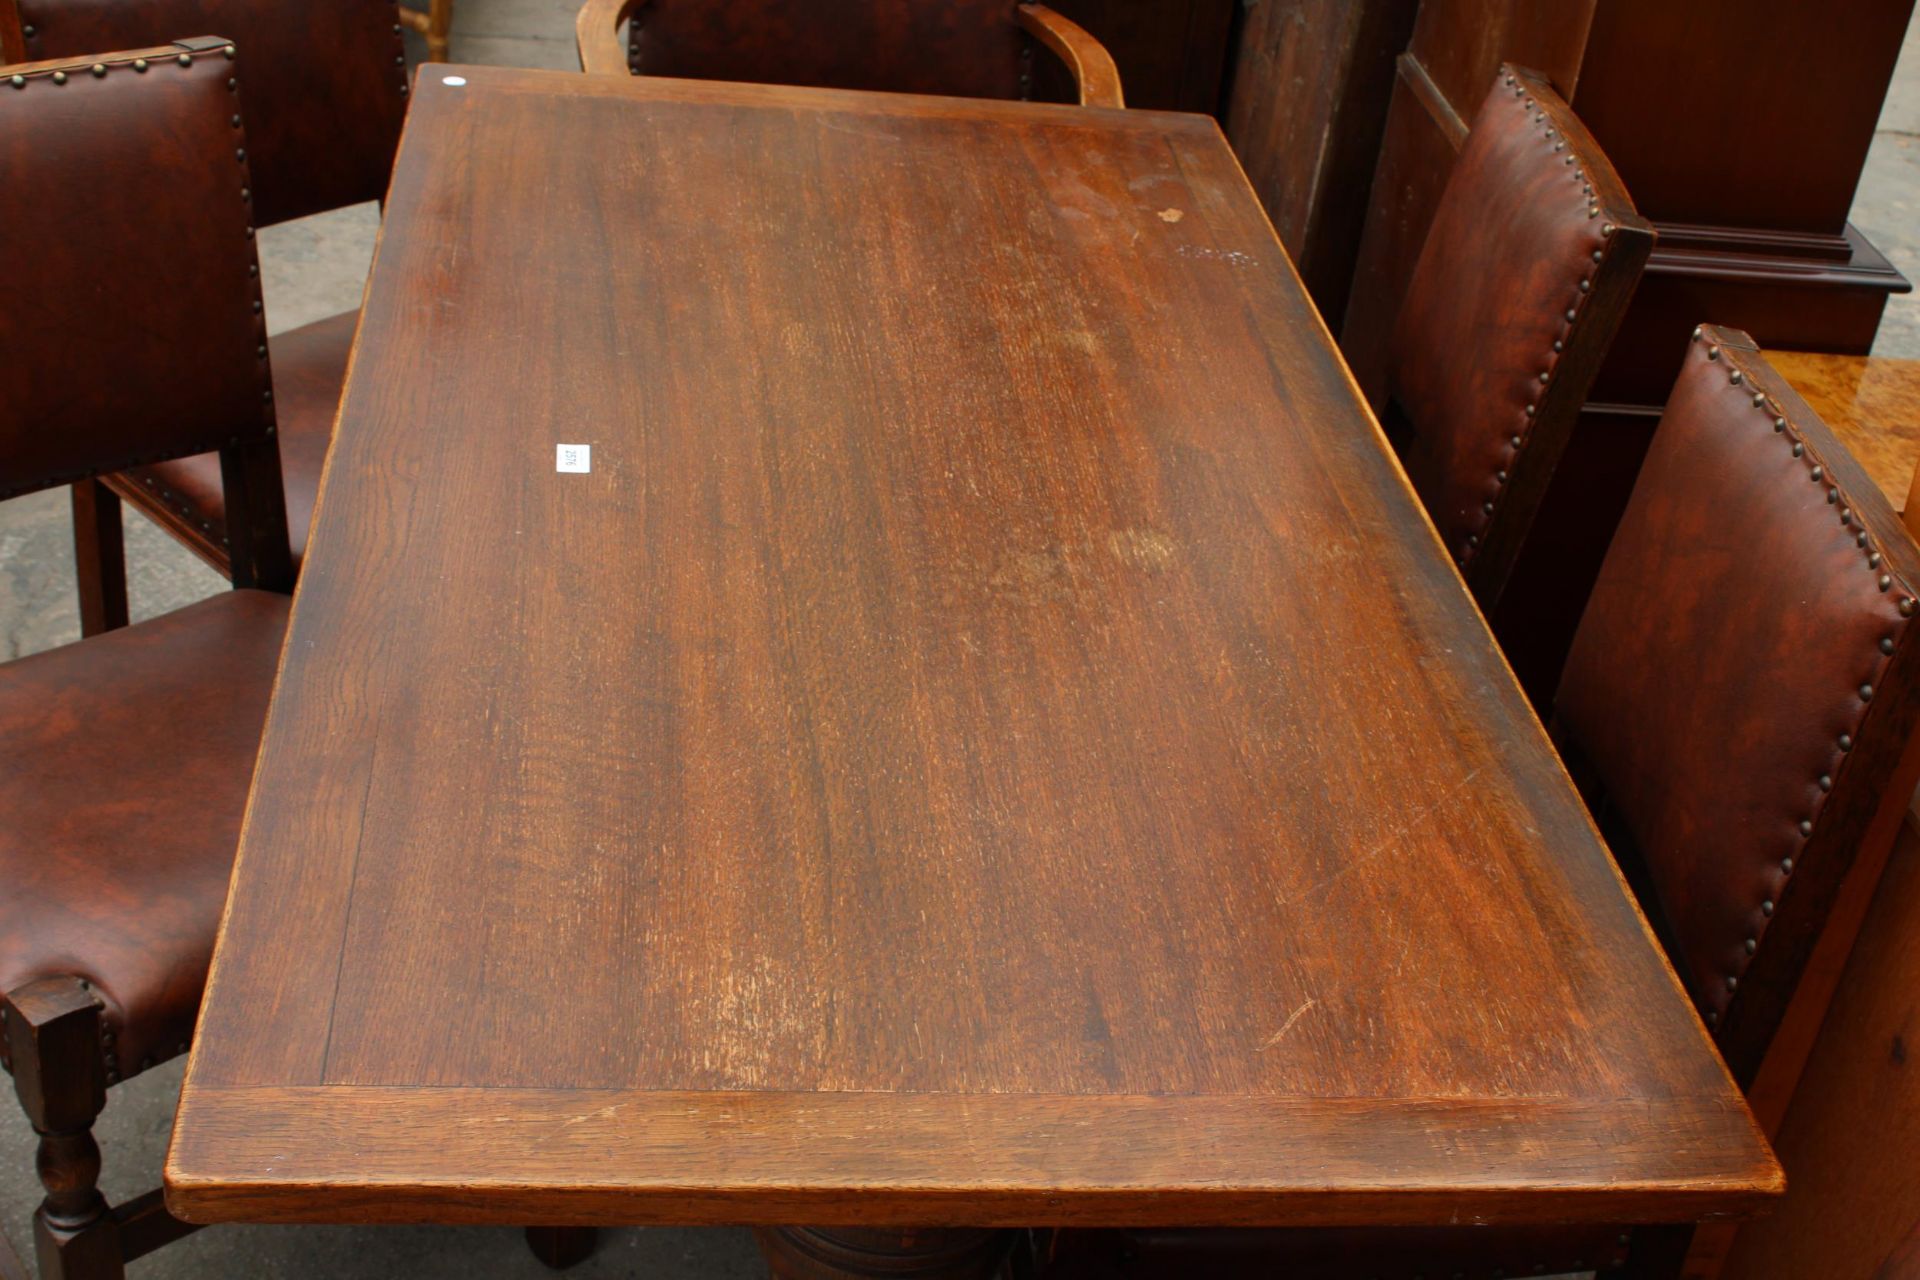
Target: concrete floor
{"points": [[313, 269]]}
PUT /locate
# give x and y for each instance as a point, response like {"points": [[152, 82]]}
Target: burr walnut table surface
{"points": [[992, 739]]}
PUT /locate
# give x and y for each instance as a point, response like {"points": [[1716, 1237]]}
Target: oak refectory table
{"points": [[862, 663]]}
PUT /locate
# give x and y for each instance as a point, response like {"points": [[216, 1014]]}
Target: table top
{"points": [[1873, 405], [991, 740]]}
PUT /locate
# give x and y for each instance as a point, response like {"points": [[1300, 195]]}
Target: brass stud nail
{"points": [[18, 82], [1786, 866], [59, 77], [249, 233], [240, 154], [1866, 693], [1886, 645], [235, 122], [1487, 507], [1606, 229], [1530, 411], [1559, 345], [1816, 473], [1753, 945], [1759, 399], [256, 306], [1873, 560], [1570, 315], [1713, 353], [1697, 329], [1736, 377], [1906, 607], [1846, 742], [1826, 782], [1733, 983], [185, 59], [1713, 1019], [139, 64], [1779, 424], [253, 268], [1806, 827], [29, 31], [99, 69], [229, 52], [1833, 496], [1500, 476], [1860, 539], [1846, 515], [1545, 375], [246, 193], [1597, 255], [1514, 441], [1586, 286], [1766, 908], [1885, 582], [1798, 448]]}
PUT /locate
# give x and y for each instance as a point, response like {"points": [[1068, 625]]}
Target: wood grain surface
{"points": [[993, 739]]}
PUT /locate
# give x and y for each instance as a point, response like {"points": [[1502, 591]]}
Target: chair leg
{"points": [[53, 1039], [100, 558], [561, 1247]]}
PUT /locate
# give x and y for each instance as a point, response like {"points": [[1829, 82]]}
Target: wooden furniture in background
{"points": [[1308, 106], [1535, 252], [977, 49], [1873, 404], [324, 104], [435, 23], [952, 762], [1761, 245], [128, 754]]}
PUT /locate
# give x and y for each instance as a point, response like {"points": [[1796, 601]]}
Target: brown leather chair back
{"points": [[324, 98], [134, 329], [1526, 271], [1743, 684], [969, 48]]}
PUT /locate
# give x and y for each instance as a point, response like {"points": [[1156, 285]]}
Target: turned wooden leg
{"points": [[53, 1039], [834, 1253], [99, 558], [561, 1247], [439, 24]]}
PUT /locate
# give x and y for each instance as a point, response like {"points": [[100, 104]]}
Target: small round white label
{"points": [[455, 81]]}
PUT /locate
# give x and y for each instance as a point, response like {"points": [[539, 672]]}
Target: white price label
{"points": [[573, 457]]}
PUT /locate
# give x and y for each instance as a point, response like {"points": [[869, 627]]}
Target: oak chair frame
{"points": [[1095, 77], [435, 22]]}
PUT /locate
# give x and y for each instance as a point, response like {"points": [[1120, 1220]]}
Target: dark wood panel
{"points": [[1746, 113], [1311, 84], [992, 739]]}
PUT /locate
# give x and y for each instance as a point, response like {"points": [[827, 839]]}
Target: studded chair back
{"points": [[324, 99], [134, 328], [969, 48], [1527, 269], [1745, 683]]}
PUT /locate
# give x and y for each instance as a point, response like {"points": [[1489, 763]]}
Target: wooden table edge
{"points": [[984, 1160]]}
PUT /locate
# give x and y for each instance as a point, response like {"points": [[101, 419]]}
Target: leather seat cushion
{"points": [[309, 366], [127, 762]]}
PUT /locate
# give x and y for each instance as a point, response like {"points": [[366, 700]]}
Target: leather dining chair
{"points": [[962, 48], [1528, 266], [324, 104], [128, 755], [1739, 708]]}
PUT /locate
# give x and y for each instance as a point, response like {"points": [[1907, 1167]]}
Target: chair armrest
{"points": [[1092, 66], [596, 29]]}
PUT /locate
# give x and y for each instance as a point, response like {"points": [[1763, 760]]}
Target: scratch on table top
{"points": [[1287, 1026], [1393, 839]]}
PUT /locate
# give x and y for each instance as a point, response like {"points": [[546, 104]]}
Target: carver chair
{"points": [[1739, 706], [964, 48], [1527, 269], [324, 104], [127, 756]]}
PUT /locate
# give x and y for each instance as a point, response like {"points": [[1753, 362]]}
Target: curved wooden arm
{"points": [[596, 29], [1088, 59]]}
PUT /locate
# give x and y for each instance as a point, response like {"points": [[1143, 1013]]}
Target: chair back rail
{"points": [[1532, 257]]}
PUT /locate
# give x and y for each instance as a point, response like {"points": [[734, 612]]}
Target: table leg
{"points": [[842, 1253]]}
